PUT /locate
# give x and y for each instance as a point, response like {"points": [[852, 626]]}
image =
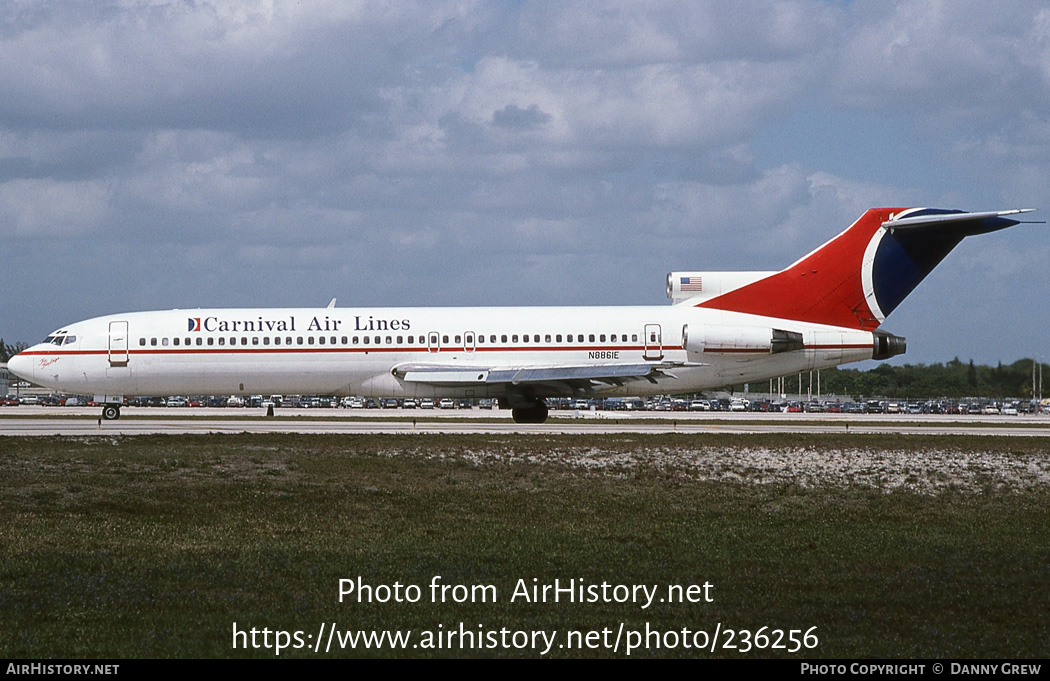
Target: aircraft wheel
{"points": [[534, 413], [111, 412]]}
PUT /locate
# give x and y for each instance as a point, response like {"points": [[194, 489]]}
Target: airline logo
{"points": [[249, 325], [284, 324]]}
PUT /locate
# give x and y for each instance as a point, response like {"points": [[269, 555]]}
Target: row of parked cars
{"points": [[302, 402], [662, 403]]}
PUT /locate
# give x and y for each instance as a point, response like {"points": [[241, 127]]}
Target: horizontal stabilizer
{"points": [[974, 223]]}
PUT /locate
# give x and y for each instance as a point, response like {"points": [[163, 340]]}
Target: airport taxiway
{"points": [[41, 421]]}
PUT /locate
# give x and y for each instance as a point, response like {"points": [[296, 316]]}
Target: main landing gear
{"points": [[111, 412], [533, 412]]}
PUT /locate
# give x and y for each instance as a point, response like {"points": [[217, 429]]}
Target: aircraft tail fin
{"points": [[860, 276]]}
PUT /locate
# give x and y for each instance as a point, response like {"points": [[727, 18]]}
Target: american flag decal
{"points": [[692, 284]]}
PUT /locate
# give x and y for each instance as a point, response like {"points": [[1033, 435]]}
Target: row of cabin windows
{"points": [[379, 340]]}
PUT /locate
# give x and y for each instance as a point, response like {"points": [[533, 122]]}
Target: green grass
{"points": [[154, 546]]}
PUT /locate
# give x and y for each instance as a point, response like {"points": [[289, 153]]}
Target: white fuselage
{"points": [[349, 351]]}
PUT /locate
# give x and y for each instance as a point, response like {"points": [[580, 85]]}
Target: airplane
{"points": [[722, 328]]}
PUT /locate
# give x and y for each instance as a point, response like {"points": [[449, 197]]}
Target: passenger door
{"points": [[118, 344], [653, 342]]}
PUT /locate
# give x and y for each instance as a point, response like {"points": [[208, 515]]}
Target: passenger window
{"points": [[244, 340], [634, 338], [164, 341], [400, 340], [142, 342], [601, 338], [514, 338], [344, 340], [503, 338], [266, 340], [579, 338], [354, 340], [366, 340], [222, 341], [558, 338], [332, 339], [255, 340], [200, 341], [175, 341], [377, 340], [591, 338], [547, 338], [389, 340], [309, 340], [277, 340], [444, 340], [320, 340], [211, 341], [153, 341]]}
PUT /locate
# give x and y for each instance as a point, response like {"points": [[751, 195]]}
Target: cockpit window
{"points": [[70, 339], [55, 339]]}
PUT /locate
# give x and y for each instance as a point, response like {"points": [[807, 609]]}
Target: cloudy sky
{"points": [[159, 155]]}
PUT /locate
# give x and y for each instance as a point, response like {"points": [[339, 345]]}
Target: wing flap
{"points": [[574, 376]]}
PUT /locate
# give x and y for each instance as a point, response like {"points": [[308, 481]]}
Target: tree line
{"points": [[954, 379], [7, 351]]}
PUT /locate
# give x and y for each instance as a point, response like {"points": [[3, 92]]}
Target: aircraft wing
{"points": [[566, 379]]}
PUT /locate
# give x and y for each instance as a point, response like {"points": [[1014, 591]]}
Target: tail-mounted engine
{"points": [[701, 286], [887, 345], [721, 338]]}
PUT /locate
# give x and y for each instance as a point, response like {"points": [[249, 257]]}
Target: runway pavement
{"points": [[39, 421]]}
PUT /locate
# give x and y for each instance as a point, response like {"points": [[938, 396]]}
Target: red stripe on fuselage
{"points": [[357, 349]]}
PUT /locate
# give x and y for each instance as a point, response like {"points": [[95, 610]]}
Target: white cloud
{"points": [[49, 209], [342, 144]]}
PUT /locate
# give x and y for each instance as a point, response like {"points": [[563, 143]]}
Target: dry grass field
{"points": [[876, 546]]}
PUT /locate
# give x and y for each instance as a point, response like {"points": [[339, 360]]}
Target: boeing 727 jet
{"points": [[722, 328]]}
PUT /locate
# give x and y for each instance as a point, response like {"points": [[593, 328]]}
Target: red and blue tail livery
{"points": [[862, 275], [723, 328]]}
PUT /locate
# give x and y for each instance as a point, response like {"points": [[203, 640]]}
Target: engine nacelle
{"points": [[701, 286], [726, 339], [887, 345]]}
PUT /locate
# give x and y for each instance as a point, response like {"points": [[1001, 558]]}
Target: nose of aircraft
{"points": [[21, 366]]}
